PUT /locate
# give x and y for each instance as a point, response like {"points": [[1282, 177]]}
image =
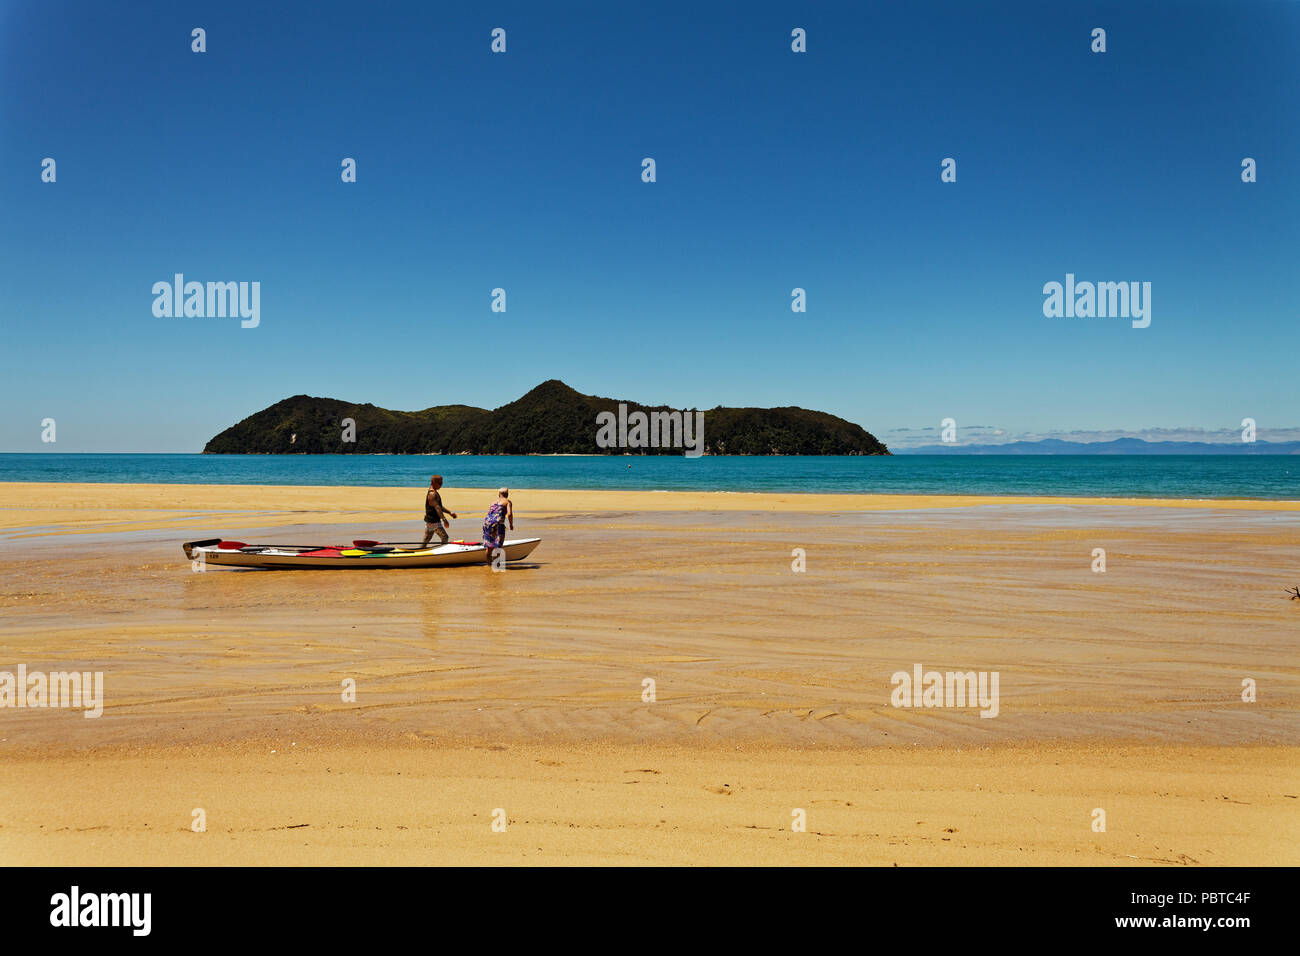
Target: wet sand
{"points": [[524, 690]]}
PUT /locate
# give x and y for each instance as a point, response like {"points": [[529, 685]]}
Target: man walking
{"points": [[435, 519]]}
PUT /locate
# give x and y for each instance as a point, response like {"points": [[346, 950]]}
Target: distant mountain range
{"points": [[552, 419], [1120, 446]]}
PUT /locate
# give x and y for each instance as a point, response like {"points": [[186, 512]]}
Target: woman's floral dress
{"points": [[494, 526]]}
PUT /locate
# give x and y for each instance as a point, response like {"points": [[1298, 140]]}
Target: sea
{"points": [[1126, 476]]}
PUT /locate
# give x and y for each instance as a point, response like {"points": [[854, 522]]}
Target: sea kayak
{"points": [[360, 554]]}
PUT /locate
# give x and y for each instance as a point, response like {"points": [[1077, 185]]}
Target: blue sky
{"points": [[775, 170]]}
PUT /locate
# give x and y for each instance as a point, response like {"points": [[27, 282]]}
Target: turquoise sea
{"points": [[1140, 476]]}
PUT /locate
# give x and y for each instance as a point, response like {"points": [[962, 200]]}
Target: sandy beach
{"points": [[525, 692]]}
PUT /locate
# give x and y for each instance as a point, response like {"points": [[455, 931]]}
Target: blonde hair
{"points": [[503, 493]]}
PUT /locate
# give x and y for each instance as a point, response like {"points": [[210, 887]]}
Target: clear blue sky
{"points": [[775, 170]]}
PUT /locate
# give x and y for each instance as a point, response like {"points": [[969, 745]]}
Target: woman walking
{"points": [[499, 515]]}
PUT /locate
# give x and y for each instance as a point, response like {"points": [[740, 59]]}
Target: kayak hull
{"points": [[268, 556]]}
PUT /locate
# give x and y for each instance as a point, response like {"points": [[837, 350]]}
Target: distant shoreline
{"points": [[902, 452]]}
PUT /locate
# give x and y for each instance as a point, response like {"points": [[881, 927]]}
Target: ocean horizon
{"points": [[1110, 476]]}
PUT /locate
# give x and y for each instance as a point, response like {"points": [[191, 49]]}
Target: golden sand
{"points": [[299, 802], [1119, 691]]}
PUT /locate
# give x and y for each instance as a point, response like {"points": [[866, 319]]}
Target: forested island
{"points": [[552, 419]]}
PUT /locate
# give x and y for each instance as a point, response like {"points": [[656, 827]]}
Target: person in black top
{"points": [[435, 515]]}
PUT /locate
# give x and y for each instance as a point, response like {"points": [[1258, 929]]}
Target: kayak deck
{"points": [[360, 554]]}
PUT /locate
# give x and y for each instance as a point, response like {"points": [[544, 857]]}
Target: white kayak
{"points": [[361, 554]]}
